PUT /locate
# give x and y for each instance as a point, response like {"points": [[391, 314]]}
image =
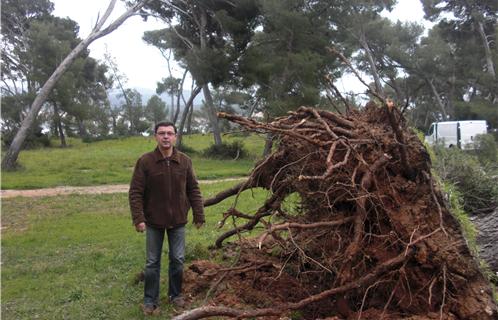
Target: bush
{"points": [[90, 139], [234, 150], [33, 140], [476, 183], [486, 149], [186, 149]]}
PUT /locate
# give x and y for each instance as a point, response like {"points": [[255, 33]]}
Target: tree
{"points": [[82, 87], [207, 37], [156, 110], [172, 87], [17, 89], [134, 113], [287, 60], [187, 113], [475, 16], [10, 158], [17, 17]]}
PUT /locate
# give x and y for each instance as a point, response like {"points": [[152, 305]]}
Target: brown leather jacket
{"points": [[163, 189]]}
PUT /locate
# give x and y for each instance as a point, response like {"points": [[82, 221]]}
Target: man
{"points": [[162, 190]]}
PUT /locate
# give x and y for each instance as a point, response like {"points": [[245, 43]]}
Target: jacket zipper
{"points": [[168, 204]]}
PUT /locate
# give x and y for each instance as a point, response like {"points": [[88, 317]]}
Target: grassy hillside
{"points": [[112, 161], [75, 257]]}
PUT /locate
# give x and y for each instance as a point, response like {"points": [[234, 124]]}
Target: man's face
{"points": [[165, 137]]}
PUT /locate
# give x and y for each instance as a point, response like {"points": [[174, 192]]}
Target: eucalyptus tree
{"points": [[207, 38]]}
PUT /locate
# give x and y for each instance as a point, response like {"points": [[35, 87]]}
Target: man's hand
{"points": [[140, 227], [198, 225]]}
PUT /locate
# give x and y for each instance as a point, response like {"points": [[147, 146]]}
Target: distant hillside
{"points": [[116, 99]]}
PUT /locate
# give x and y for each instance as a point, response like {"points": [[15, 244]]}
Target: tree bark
{"points": [[440, 103], [189, 105], [371, 62], [58, 126], [10, 159], [487, 237], [82, 129], [213, 119], [487, 51], [179, 95], [189, 120]]}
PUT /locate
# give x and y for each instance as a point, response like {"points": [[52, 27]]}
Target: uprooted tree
{"points": [[372, 238]]}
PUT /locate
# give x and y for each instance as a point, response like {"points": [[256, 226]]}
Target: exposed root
{"points": [[370, 236]]}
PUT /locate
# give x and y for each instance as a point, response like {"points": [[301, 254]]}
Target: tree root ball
{"points": [[372, 237]]}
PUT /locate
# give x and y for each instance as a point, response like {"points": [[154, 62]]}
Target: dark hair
{"points": [[164, 124]]}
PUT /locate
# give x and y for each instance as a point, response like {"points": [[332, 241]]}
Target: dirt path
{"points": [[57, 191]]}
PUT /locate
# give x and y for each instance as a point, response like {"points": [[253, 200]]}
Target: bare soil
{"points": [[65, 190]]}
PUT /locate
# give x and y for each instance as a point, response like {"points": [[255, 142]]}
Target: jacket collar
{"points": [[159, 156]]}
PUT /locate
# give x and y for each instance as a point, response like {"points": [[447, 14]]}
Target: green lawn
{"points": [[75, 257], [112, 161]]}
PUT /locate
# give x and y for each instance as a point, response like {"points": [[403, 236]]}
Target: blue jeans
{"points": [[154, 245]]}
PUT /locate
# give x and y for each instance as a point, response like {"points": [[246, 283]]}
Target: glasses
{"points": [[169, 134]]}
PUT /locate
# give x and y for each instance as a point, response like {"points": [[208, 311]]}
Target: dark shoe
{"points": [[178, 302], [150, 310]]}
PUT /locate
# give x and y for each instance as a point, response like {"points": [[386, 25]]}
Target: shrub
{"points": [[486, 149], [186, 149], [234, 150], [90, 139], [34, 140], [476, 183]]}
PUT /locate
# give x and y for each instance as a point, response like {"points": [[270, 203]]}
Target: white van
{"points": [[459, 134]]}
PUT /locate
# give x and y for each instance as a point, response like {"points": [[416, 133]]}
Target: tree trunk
{"points": [[440, 103], [82, 129], [114, 123], [487, 237], [371, 62], [180, 93], [9, 161], [213, 119], [487, 51], [172, 108], [189, 120], [58, 126], [189, 105]]}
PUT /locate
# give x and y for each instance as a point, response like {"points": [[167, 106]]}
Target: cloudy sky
{"points": [[143, 64]]}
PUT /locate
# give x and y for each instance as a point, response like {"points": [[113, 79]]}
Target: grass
{"points": [[112, 162], [75, 257]]}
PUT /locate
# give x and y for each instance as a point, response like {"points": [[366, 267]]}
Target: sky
{"points": [[143, 64]]}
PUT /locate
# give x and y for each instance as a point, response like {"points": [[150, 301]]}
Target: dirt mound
{"points": [[371, 238]]}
